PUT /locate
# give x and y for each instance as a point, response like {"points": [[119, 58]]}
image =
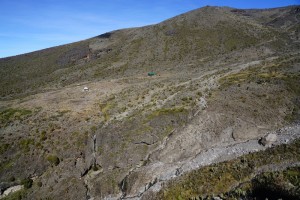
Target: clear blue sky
{"points": [[28, 25]]}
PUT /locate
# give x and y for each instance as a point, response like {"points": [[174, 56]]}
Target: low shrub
{"points": [[53, 159], [27, 182]]}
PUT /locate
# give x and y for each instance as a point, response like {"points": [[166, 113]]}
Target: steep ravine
{"points": [[123, 183], [92, 170], [159, 173]]}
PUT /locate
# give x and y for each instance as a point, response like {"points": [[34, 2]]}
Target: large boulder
{"points": [[268, 140]]}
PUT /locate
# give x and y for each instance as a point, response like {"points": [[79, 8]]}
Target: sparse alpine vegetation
{"points": [[126, 114]]}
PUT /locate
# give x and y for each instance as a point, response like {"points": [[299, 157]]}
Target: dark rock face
{"points": [[105, 35]]}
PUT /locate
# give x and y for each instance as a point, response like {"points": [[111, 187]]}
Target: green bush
{"points": [[12, 179], [3, 148], [9, 115], [25, 144], [39, 184], [43, 136], [53, 159], [27, 182], [199, 94]]}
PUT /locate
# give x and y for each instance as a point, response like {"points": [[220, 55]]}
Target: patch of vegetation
{"points": [[81, 139], [3, 148], [62, 112], [166, 111], [43, 136], [12, 179], [100, 150], [136, 44], [293, 85], [27, 182], [275, 73], [221, 178], [53, 159], [93, 129], [139, 130], [256, 73], [105, 109], [25, 144], [168, 130], [39, 184], [6, 165], [270, 185], [12, 114]]}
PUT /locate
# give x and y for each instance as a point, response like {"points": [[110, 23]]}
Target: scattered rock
{"points": [[286, 141]]}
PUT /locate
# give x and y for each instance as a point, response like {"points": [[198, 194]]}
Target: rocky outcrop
{"points": [[268, 140]]}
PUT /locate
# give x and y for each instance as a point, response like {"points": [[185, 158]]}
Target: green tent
{"points": [[151, 73]]}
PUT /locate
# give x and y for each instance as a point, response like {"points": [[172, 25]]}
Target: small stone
{"points": [[286, 141]]}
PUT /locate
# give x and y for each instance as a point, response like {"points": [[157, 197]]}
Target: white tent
{"points": [[85, 89]]}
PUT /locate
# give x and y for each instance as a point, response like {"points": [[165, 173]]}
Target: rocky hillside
{"points": [[223, 78]]}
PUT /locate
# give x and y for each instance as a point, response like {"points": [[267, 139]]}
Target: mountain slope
{"points": [[190, 39], [224, 76]]}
